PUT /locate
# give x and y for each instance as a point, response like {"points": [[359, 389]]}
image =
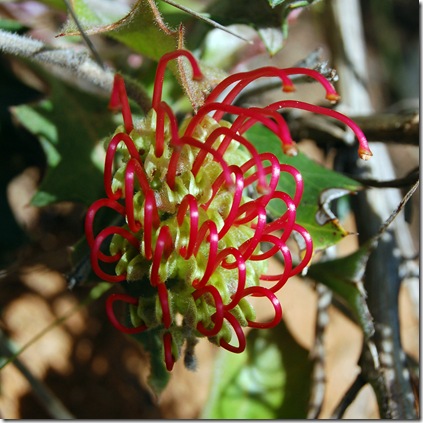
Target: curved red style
{"points": [[193, 205]]}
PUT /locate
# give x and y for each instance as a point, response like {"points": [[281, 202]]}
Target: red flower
{"points": [[194, 237]]}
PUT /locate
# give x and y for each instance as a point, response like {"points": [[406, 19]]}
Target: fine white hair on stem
{"points": [[74, 61], [77, 61]]}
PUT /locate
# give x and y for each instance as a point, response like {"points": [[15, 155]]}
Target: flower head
{"points": [[192, 238]]}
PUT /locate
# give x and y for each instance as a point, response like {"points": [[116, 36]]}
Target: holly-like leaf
{"points": [[344, 277], [269, 380], [317, 181], [68, 126], [144, 31]]}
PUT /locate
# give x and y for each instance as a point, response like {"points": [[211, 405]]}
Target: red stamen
{"points": [[169, 358], [110, 155], [278, 126], [114, 102], [245, 78], [283, 277], [260, 291], [238, 332], [230, 135], [89, 224], [95, 251], [287, 220], [119, 101], [331, 93], [248, 247], [217, 317], [270, 252], [162, 111], [189, 201], [151, 221], [308, 249], [202, 146], [207, 226], [273, 169], [112, 317], [298, 179], [236, 201], [288, 145], [163, 244], [164, 303], [173, 166], [363, 151], [160, 73], [248, 212], [133, 168], [278, 246], [242, 272]]}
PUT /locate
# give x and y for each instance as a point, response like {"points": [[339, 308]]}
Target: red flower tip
{"points": [[288, 88], [290, 149], [364, 153], [363, 144], [333, 97], [331, 94], [169, 358], [119, 102], [160, 72]]}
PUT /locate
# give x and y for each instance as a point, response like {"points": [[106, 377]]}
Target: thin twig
{"points": [[46, 397], [349, 397], [398, 210], [411, 178], [94, 294], [207, 20], [87, 40]]}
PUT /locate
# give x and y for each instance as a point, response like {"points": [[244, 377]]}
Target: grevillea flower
{"points": [[194, 239]]}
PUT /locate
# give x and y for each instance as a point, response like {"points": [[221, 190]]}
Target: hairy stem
{"points": [[77, 62]]}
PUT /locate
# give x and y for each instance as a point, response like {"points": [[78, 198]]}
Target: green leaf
{"points": [[318, 183], [57, 4], [344, 277], [142, 29], [269, 380], [152, 342], [11, 25], [273, 39], [68, 126]]}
